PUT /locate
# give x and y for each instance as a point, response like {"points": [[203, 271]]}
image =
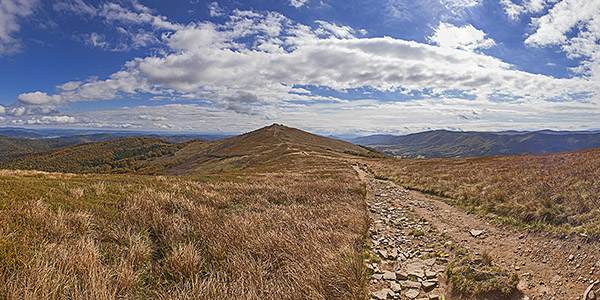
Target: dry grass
{"points": [[552, 191], [280, 234]]}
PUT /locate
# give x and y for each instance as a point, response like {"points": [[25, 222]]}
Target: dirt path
{"points": [[550, 267]]}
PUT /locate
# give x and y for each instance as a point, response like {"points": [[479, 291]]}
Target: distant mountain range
{"points": [[431, 144], [19, 141], [75, 136], [444, 143]]}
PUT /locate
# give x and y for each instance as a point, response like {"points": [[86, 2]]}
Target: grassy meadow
{"points": [[549, 191], [262, 233]]}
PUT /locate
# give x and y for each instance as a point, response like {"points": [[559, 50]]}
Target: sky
{"points": [[327, 66]]}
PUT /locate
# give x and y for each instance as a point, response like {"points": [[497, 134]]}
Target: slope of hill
{"points": [[444, 144], [114, 156], [263, 147], [12, 147]]}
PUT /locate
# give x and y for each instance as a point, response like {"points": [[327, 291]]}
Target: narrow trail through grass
{"points": [[408, 222]]}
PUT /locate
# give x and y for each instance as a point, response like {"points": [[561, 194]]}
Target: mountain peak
{"points": [[273, 128]]}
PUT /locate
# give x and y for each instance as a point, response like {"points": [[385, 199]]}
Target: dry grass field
{"points": [[552, 191], [262, 233], [276, 213]]}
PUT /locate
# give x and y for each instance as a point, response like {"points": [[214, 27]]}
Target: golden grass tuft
{"points": [[183, 262]]}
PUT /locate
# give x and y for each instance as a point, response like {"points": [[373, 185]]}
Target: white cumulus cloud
{"points": [[514, 10], [133, 24], [214, 10], [457, 5], [38, 98], [465, 37], [75, 6], [47, 120], [69, 86], [138, 15], [215, 61], [298, 3], [343, 32], [152, 118], [574, 25], [553, 27]]}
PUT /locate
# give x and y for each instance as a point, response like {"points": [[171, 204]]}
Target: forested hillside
{"points": [[12, 147], [111, 157]]}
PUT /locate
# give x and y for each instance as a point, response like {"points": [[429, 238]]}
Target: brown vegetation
{"points": [[287, 230]]}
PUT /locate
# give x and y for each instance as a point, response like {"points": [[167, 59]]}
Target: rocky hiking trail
{"points": [[413, 234]]}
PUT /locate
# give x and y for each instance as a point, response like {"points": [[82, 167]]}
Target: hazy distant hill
{"points": [[20, 133], [152, 155], [12, 147], [88, 138], [443, 144], [74, 136], [103, 137]]}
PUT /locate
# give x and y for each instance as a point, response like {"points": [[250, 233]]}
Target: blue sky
{"points": [[328, 66]]}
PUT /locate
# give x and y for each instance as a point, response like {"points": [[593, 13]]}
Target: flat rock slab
{"points": [[476, 233], [428, 285], [410, 284], [387, 275], [401, 275], [430, 274], [429, 262], [382, 294], [418, 274], [412, 293]]}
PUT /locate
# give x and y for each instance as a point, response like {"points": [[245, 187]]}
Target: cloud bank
{"points": [[215, 61], [258, 66]]}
